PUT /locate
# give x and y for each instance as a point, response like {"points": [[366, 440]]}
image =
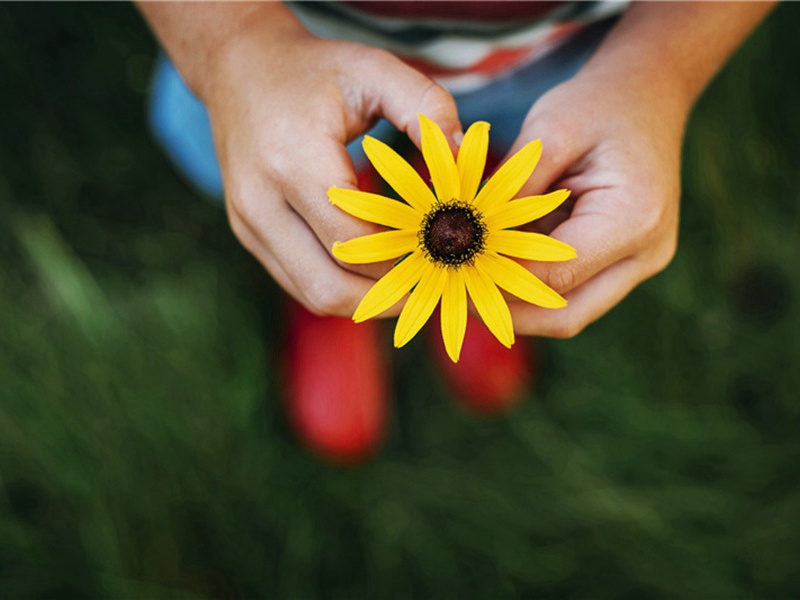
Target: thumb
{"points": [[402, 93], [559, 153]]}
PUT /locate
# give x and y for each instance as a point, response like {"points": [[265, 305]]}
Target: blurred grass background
{"points": [[143, 452]]}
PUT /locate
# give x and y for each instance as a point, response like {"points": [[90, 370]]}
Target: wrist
{"points": [[641, 84], [197, 35], [262, 34], [670, 51]]}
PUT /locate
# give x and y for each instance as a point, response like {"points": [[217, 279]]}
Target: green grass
{"points": [[143, 452]]}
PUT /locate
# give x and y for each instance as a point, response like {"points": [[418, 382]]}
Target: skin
{"points": [[283, 105]]}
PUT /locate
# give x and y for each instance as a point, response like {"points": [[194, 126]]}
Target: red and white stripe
{"points": [[476, 41]]}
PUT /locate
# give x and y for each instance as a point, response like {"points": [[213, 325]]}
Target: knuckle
{"points": [[665, 256], [658, 213], [435, 101], [238, 227], [373, 61], [372, 55], [327, 300], [566, 328], [249, 214], [238, 221], [277, 162], [651, 220], [562, 279], [239, 201], [438, 96], [239, 212], [348, 50]]}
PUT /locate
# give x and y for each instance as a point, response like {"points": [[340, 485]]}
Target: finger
{"points": [[402, 93], [399, 93], [559, 154], [285, 245], [549, 222], [600, 239], [306, 191], [587, 303], [256, 247]]}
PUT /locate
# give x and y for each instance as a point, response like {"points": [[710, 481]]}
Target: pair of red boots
{"points": [[337, 382], [337, 379]]}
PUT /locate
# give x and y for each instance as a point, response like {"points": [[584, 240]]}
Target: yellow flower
{"points": [[452, 239]]}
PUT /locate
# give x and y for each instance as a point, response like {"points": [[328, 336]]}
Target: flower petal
{"points": [[388, 290], [439, 158], [376, 247], [509, 179], [472, 159], [398, 174], [420, 304], [490, 304], [516, 279], [454, 314], [529, 246], [524, 210], [375, 208]]}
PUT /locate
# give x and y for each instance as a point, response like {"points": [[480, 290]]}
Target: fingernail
{"points": [[458, 137]]}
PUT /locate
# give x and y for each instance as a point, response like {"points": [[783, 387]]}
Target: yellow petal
{"points": [[388, 290], [440, 161], [509, 179], [472, 159], [529, 246], [454, 313], [375, 208], [420, 304], [516, 279], [490, 304], [398, 174], [376, 247], [524, 210]]}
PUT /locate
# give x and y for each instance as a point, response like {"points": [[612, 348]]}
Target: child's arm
{"points": [[613, 135], [283, 104]]}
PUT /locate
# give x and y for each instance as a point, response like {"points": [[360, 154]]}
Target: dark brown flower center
{"points": [[453, 233]]}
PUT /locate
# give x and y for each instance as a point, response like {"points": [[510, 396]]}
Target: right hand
{"points": [[283, 105]]}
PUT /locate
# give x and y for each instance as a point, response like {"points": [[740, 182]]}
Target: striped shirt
{"points": [[462, 45]]}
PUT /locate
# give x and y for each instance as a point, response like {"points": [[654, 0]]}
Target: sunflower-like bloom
{"points": [[453, 240]]}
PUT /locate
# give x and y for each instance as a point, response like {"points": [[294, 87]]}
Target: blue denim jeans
{"points": [[180, 121]]}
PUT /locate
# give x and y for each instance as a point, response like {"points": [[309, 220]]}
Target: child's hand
{"points": [[612, 135], [283, 104], [616, 145], [282, 114]]}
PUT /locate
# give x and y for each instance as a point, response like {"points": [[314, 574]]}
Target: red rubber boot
{"points": [[488, 378], [336, 377], [335, 385]]}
